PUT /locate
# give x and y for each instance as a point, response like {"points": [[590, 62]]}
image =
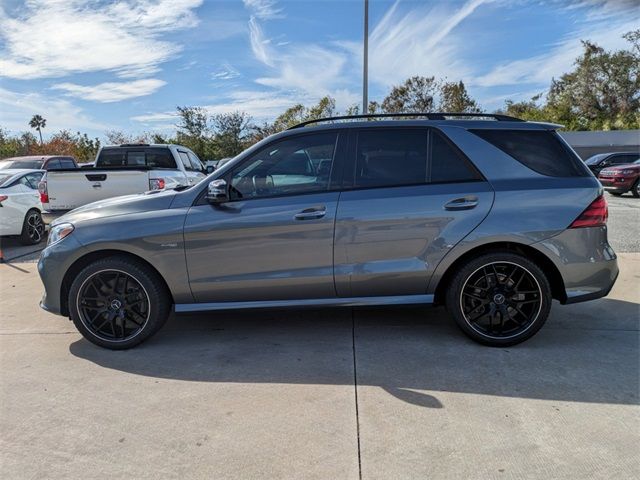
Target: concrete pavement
{"points": [[274, 395]]}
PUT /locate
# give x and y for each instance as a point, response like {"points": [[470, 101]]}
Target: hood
{"points": [[125, 205], [629, 166]]}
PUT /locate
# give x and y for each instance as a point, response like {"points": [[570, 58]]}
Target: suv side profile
{"points": [[489, 215]]}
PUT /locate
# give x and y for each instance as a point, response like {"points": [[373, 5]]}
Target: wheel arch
{"points": [[77, 266], [545, 263]]}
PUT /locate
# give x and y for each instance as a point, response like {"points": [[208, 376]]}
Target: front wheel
{"points": [[635, 190], [118, 303], [499, 299]]}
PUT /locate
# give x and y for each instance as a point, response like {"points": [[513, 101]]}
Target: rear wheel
{"points": [[118, 303], [32, 228], [499, 299], [635, 190]]}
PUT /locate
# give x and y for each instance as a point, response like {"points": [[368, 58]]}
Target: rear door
{"points": [[412, 196]]}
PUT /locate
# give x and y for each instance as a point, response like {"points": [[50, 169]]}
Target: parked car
{"points": [[120, 170], [40, 162], [622, 179], [603, 160], [20, 205], [493, 218]]}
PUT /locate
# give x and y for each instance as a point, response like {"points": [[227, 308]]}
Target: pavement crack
{"points": [[355, 388]]}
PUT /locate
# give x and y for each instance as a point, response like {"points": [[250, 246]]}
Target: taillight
{"points": [[2, 199], [42, 188], [156, 183], [595, 215]]}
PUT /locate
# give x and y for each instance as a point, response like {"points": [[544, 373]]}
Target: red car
{"points": [[621, 179]]}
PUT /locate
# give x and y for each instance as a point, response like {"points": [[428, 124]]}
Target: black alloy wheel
{"points": [[113, 305]]}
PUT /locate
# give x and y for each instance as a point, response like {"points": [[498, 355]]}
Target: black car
{"points": [[602, 160]]}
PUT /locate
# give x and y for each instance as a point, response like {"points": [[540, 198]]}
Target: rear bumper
{"points": [[49, 216], [586, 262]]}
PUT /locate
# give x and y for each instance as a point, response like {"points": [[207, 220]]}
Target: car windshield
{"points": [[4, 178], [594, 160], [34, 164]]}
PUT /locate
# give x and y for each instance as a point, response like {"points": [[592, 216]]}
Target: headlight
{"points": [[626, 172], [58, 232]]}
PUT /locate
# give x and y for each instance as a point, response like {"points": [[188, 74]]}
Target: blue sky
{"points": [[96, 66]]}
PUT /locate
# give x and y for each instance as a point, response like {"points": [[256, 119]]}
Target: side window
{"points": [[622, 159], [67, 163], [54, 164], [539, 150], [447, 164], [196, 164], [185, 160], [393, 157], [159, 158], [287, 167], [33, 179]]}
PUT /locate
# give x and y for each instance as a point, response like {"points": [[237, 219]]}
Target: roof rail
{"points": [[133, 145], [427, 115]]}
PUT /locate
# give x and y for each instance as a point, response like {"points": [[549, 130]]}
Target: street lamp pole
{"points": [[365, 72]]}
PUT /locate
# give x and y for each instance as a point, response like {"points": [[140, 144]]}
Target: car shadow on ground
{"points": [[412, 353]]}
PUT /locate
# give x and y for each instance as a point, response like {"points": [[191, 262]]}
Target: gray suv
{"points": [[489, 215]]}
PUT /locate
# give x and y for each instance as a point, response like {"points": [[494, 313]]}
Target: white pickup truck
{"points": [[119, 170]]}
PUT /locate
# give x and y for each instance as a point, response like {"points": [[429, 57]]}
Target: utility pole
{"points": [[365, 71]]}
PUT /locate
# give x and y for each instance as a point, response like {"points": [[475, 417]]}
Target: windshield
{"points": [[35, 164], [595, 159], [4, 177]]}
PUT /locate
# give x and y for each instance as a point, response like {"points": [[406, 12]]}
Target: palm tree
{"points": [[38, 123]]}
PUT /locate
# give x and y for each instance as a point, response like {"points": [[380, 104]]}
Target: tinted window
{"points": [[390, 158], [32, 180], [596, 159], [196, 164], [148, 157], [448, 164], [67, 163], [286, 168], [622, 159], [54, 164], [540, 150]]}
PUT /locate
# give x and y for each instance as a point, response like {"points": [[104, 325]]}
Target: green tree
{"points": [[231, 133], [454, 98], [193, 130], [416, 94], [38, 122]]}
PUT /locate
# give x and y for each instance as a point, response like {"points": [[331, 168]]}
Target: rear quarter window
{"points": [[540, 150]]}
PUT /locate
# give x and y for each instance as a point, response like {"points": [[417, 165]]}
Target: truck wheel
{"points": [[118, 303], [32, 228], [499, 299], [635, 190]]}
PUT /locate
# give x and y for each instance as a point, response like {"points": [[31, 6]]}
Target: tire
{"points": [[502, 313], [32, 228], [635, 190], [118, 302]]}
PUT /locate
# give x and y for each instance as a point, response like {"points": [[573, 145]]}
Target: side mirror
{"points": [[210, 168], [217, 191]]}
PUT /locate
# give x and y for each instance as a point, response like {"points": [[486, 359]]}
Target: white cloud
{"points": [[112, 91], [259, 45], [540, 69], [54, 38], [263, 9], [17, 108], [226, 72]]}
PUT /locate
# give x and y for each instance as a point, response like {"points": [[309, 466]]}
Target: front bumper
{"points": [[54, 262], [587, 263], [617, 184]]}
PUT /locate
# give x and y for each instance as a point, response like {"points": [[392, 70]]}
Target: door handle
{"points": [[463, 203], [311, 213]]}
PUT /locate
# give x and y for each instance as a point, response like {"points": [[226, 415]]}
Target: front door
{"points": [[414, 196], [274, 239]]}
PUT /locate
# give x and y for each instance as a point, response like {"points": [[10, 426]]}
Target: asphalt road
{"points": [[380, 393]]}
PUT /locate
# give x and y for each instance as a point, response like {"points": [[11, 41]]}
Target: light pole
{"points": [[365, 71]]}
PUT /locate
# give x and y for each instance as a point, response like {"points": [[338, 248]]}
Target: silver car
{"points": [[491, 216]]}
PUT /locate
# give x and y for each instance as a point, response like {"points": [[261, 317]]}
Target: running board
{"points": [[313, 302]]}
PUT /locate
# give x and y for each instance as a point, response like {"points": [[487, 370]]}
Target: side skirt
{"points": [[313, 302]]}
